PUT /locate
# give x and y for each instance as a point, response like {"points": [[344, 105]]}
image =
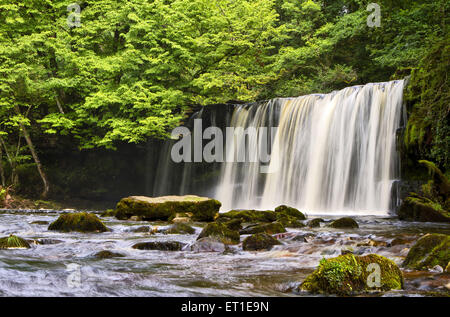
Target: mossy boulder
{"points": [[142, 229], [269, 228], [81, 222], [250, 215], [221, 232], [259, 241], [418, 208], [165, 208], [14, 242], [160, 245], [315, 223], [349, 274], [180, 228], [429, 251], [344, 223], [284, 210], [232, 224], [108, 255], [108, 213]]}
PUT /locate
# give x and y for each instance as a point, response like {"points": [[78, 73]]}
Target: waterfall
{"points": [[330, 153]]}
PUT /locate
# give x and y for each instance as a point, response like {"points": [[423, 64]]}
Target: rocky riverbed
{"points": [[69, 264]]}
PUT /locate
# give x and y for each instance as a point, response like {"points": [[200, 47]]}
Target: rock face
{"points": [[259, 241], [418, 208], [161, 246], [81, 222], [13, 242], [269, 228], [349, 274], [221, 232], [343, 223], [429, 251], [164, 208]]}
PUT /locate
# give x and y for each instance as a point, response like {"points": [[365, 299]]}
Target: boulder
{"points": [[81, 222], [14, 242], [180, 228], [315, 223], [344, 223], [290, 222], [284, 210], [269, 228], [108, 255], [160, 245], [208, 244], [39, 222], [418, 208], [259, 241], [429, 251], [142, 229], [349, 274], [250, 215], [108, 213], [221, 232], [165, 208]]}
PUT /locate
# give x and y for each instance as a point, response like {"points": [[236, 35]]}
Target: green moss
{"points": [[290, 222], [348, 274], [428, 251], [81, 222], [284, 210], [180, 228], [345, 222], [250, 215], [108, 213], [221, 232], [13, 242], [259, 241], [422, 209], [161, 246], [269, 228], [315, 223]]}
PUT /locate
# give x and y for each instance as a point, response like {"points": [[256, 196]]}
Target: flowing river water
{"points": [[69, 267]]}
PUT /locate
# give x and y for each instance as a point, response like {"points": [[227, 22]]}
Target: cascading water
{"points": [[331, 153]]}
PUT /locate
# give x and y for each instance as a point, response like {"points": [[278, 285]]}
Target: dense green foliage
{"points": [[130, 69]]}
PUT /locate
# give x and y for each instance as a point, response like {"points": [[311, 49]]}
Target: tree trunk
{"points": [[35, 157]]}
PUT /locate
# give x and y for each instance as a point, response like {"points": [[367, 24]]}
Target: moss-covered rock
{"points": [[39, 222], [290, 222], [221, 232], [418, 208], [14, 242], [81, 222], [284, 210], [142, 229], [108, 213], [250, 215], [165, 208], [160, 245], [108, 255], [269, 228], [315, 223], [259, 241], [180, 228], [343, 223], [349, 274], [429, 251]]}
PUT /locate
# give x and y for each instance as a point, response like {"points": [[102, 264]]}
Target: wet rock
{"points": [[418, 208], [81, 222], [14, 242], [428, 251], [142, 229], [108, 255], [437, 269], [372, 243], [347, 251], [48, 241], [302, 237], [221, 232], [259, 241], [398, 241], [39, 222], [250, 215], [348, 274], [208, 244], [315, 223], [180, 228], [184, 217], [284, 210], [343, 223], [164, 208], [269, 228], [160, 245], [290, 222], [108, 213]]}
